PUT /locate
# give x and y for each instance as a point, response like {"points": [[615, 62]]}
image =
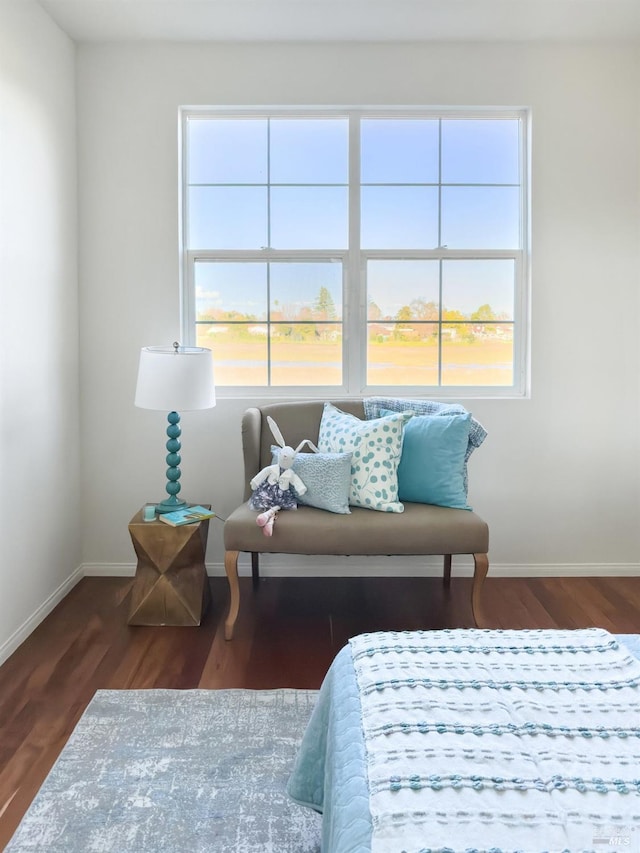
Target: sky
{"points": [[283, 183]]}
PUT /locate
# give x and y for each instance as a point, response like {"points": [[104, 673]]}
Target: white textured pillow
{"points": [[327, 477], [376, 446]]}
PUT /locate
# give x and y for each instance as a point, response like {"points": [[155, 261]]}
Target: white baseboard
{"points": [[280, 565], [27, 627]]}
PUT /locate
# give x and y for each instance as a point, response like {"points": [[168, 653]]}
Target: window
{"points": [[357, 251]]}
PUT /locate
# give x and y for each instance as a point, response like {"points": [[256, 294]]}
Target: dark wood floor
{"points": [[287, 634]]}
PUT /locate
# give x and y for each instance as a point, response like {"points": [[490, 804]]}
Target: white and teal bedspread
{"points": [[470, 740]]}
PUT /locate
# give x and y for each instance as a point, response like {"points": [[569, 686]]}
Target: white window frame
{"points": [[354, 259]]}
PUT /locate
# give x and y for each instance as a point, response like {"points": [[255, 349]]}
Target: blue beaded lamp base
{"points": [[173, 460]]}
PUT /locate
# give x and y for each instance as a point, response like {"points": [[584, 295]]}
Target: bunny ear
{"points": [[309, 443], [273, 426]]}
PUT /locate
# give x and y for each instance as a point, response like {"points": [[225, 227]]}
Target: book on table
{"points": [[187, 515]]}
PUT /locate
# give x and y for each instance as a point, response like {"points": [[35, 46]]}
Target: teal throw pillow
{"points": [[376, 446], [432, 466], [327, 477]]}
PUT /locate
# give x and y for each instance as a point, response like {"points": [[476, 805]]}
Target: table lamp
{"points": [[173, 379]]}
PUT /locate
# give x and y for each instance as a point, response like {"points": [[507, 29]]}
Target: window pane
{"points": [[227, 151], [309, 151], [402, 289], [399, 217], [230, 291], [477, 354], [309, 217], [306, 354], [479, 290], [227, 217], [306, 291], [480, 151], [402, 354], [240, 353], [480, 217], [399, 151]]}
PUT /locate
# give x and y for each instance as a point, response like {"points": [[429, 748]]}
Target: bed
{"points": [[472, 740]]}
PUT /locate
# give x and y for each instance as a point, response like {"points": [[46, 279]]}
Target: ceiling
{"points": [[346, 20]]}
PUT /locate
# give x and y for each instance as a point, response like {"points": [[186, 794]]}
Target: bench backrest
{"points": [[297, 420]]}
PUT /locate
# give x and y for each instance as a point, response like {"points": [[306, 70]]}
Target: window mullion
{"points": [[187, 270], [439, 184], [354, 288], [440, 264], [268, 250]]}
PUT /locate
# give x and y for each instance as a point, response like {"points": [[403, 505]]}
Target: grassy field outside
{"points": [[244, 362]]}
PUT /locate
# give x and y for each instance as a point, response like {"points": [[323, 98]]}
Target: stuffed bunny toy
{"points": [[277, 486]]}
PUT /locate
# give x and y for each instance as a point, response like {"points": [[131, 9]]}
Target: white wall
{"points": [[558, 479], [39, 395]]}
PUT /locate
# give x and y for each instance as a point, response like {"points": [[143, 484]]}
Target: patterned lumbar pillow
{"points": [[376, 446], [327, 477]]}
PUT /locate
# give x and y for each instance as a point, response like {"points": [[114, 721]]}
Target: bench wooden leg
{"points": [[231, 568], [255, 568], [447, 570], [479, 574]]}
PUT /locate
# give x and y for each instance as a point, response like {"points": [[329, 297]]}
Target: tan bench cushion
{"points": [[420, 529]]}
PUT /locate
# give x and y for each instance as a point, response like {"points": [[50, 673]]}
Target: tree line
{"points": [[382, 326]]}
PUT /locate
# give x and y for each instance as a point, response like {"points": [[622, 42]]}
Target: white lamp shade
{"points": [[175, 379]]}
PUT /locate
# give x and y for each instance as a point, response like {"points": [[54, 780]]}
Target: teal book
{"points": [[188, 515]]}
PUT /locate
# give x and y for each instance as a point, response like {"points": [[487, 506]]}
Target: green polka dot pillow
{"points": [[376, 446]]}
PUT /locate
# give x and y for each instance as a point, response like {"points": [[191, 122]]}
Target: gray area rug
{"points": [[187, 771]]}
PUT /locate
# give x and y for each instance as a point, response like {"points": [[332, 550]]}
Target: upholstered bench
{"points": [[422, 529]]}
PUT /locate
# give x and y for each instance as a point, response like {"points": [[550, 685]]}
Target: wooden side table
{"points": [[171, 585]]}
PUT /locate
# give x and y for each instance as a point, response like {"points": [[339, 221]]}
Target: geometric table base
{"points": [[171, 585]]}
